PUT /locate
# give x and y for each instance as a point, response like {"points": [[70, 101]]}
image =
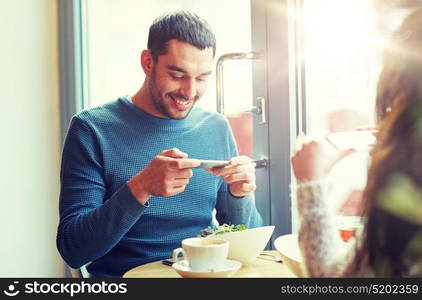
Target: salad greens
{"points": [[221, 229]]}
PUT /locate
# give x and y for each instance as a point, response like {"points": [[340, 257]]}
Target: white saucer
{"points": [[230, 266]]}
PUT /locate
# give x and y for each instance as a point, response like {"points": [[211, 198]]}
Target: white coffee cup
{"points": [[203, 254]]}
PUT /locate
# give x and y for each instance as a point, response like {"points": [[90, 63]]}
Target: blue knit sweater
{"points": [[102, 224]]}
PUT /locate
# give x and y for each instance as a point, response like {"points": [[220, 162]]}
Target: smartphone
{"points": [[360, 140], [213, 163]]}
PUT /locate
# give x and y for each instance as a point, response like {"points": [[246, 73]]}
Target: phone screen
{"points": [[361, 140], [213, 163]]}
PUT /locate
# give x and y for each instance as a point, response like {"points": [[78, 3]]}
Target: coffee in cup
{"points": [[203, 254]]}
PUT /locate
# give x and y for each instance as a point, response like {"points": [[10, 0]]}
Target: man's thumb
{"points": [[174, 153]]}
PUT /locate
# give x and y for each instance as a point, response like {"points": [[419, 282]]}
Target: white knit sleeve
{"points": [[323, 251]]}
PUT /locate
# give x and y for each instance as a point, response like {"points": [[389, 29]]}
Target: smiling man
{"points": [[174, 81], [130, 187]]}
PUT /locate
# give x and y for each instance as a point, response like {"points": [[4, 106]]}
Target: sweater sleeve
{"points": [[323, 251], [89, 225], [231, 209]]}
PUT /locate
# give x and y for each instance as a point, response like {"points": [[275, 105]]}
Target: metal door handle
{"points": [[259, 109], [219, 73], [261, 163]]}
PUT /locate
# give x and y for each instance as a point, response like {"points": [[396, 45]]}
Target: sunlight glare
{"points": [[340, 27]]}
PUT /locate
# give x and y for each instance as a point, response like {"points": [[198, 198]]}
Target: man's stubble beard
{"points": [[159, 102]]}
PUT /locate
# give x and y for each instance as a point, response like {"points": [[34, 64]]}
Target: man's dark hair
{"points": [[180, 25]]}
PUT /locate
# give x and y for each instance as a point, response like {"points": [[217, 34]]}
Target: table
{"points": [[263, 266]]}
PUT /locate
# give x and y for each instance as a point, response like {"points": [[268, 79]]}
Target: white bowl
{"points": [[288, 247], [246, 245]]}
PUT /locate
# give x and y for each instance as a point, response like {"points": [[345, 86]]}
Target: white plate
{"points": [[230, 266], [288, 247]]}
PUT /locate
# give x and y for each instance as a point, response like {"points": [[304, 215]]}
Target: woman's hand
{"points": [[312, 162]]}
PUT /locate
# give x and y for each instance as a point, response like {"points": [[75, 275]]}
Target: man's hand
{"points": [[239, 175], [166, 175]]}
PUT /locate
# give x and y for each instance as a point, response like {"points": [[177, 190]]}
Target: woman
{"points": [[390, 243]]}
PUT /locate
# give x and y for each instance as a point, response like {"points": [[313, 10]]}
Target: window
{"points": [[342, 51]]}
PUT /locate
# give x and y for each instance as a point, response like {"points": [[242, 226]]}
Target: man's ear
{"points": [[147, 62]]}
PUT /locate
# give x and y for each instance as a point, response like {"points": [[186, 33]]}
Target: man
{"points": [[121, 204]]}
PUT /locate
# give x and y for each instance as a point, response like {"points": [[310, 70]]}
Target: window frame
{"points": [[73, 83], [282, 110]]}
